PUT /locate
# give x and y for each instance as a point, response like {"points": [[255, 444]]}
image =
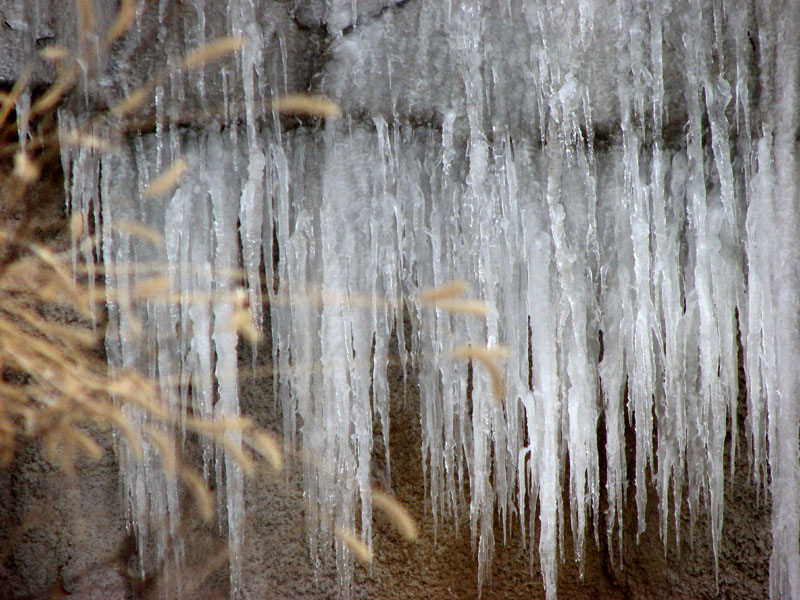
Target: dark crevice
{"points": [[398, 4]]}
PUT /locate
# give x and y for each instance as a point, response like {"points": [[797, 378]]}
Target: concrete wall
{"points": [[66, 537]]}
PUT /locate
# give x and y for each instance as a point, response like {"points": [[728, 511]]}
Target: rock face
{"points": [[540, 77], [391, 58]]}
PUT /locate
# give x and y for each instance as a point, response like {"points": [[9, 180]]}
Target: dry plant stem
{"points": [[167, 180], [266, 445], [124, 20], [197, 486], [307, 105], [487, 356], [64, 392], [64, 387], [212, 51], [445, 297], [445, 291], [20, 233], [11, 99], [68, 386], [359, 549], [396, 513]]}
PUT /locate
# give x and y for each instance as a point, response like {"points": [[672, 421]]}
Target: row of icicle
{"points": [[662, 247]]}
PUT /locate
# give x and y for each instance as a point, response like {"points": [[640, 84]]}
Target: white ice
{"points": [[618, 260]]}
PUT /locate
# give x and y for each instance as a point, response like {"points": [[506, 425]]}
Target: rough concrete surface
{"points": [[65, 537]]}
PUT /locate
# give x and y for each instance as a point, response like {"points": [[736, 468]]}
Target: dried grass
{"points": [[55, 387], [268, 447], [359, 549], [488, 356], [396, 513], [447, 290], [25, 169], [203, 498], [167, 180], [307, 105], [212, 51], [445, 297]]}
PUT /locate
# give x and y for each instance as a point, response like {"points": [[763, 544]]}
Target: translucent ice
{"points": [[619, 262]]}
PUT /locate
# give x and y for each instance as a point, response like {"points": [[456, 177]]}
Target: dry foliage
{"points": [[55, 386]]}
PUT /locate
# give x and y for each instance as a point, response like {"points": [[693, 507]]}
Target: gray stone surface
{"points": [[24, 27], [408, 63], [65, 534], [68, 537], [61, 536], [401, 59], [337, 15], [151, 50]]}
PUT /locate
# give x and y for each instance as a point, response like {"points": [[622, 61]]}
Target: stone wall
{"points": [[66, 537]]}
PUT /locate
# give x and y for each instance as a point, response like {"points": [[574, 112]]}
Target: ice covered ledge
{"points": [[400, 59]]}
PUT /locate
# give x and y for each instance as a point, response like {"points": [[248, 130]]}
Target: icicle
{"points": [[81, 174], [199, 360], [713, 217], [252, 200], [670, 412], [640, 363], [387, 261], [22, 108], [200, 41], [544, 405], [476, 203], [783, 412], [224, 213], [759, 345], [605, 270], [615, 310]]}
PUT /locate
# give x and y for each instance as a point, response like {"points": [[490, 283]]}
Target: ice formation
{"points": [[621, 261]]}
